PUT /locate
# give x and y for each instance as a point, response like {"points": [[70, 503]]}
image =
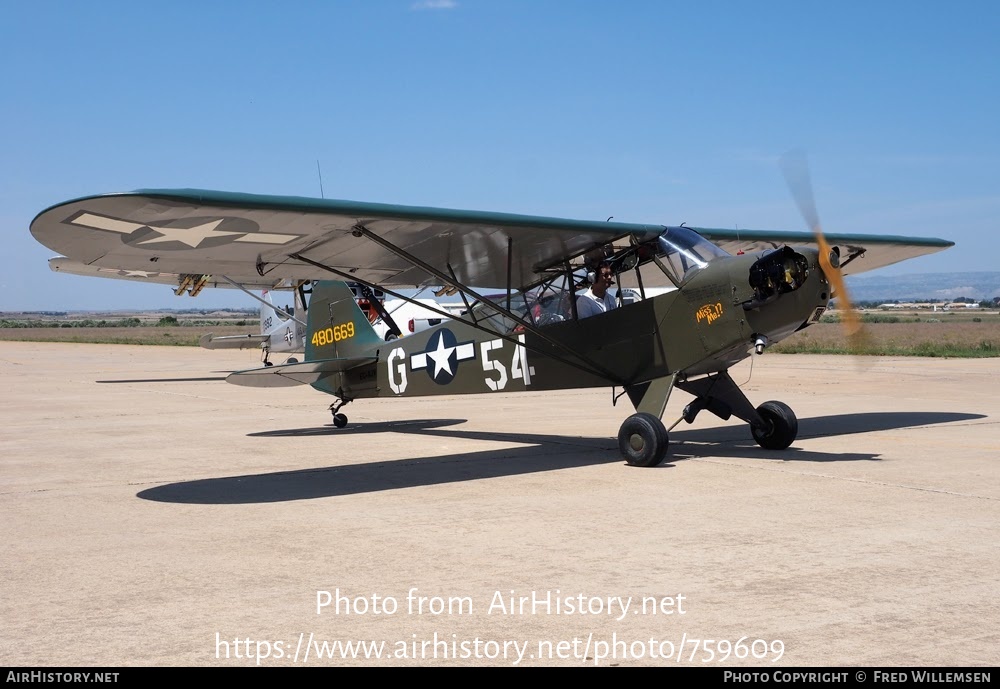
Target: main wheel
{"points": [[642, 440], [339, 420], [780, 426]]}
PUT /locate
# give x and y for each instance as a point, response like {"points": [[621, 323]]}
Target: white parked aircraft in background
{"points": [[281, 331], [411, 317]]}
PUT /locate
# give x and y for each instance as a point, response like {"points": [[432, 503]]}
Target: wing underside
{"points": [[858, 253], [262, 240], [217, 233], [151, 275]]}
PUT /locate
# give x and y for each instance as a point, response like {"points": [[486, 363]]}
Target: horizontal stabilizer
{"points": [[305, 373], [247, 341]]}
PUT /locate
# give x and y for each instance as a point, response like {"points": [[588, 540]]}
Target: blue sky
{"points": [[662, 112]]}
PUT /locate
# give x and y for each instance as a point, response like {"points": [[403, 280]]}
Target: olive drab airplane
{"points": [[707, 298]]}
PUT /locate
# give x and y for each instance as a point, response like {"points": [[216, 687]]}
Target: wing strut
{"points": [[584, 364], [366, 292], [595, 368], [276, 308], [510, 255], [465, 299], [859, 252]]}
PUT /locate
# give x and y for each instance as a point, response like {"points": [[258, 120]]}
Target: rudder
{"points": [[268, 316]]}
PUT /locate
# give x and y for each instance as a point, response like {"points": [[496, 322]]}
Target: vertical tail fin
{"points": [[338, 329], [268, 316]]}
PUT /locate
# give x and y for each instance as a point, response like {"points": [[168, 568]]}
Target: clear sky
{"points": [[659, 111]]}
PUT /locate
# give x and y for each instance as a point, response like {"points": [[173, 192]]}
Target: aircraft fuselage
{"points": [[706, 326]]}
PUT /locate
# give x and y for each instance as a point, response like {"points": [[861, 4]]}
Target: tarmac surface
{"points": [[154, 515]]}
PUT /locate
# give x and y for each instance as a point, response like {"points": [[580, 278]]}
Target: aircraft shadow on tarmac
{"points": [[536, 453]]}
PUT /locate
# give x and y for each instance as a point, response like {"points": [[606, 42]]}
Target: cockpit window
{"points": [[487, 315], [681, 252]]}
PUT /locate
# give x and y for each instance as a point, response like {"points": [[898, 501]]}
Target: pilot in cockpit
{"points": [[597, 299]]}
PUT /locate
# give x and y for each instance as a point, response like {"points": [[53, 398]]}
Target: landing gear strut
{"points": [[772, 424], [643, 441], [339, 420]]}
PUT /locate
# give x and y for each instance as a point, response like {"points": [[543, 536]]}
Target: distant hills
{"points": [[925, 286]]}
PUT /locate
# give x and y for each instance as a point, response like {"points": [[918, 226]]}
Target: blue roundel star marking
{"points": [[441, 356]]}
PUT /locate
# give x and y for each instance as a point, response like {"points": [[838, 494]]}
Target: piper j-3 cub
{"points": [[729, 294]]}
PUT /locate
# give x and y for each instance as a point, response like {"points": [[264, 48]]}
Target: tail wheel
{"points": [[642, 440], [339, 420], [780, 426]]}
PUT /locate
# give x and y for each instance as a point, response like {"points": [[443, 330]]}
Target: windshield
{"points": [[486, 315], [681, 252]]}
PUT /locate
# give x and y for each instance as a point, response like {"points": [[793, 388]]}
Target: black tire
{"points": [[781, 426], [339, 420], [642, 440]]}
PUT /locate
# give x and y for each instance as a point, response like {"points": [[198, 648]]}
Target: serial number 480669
{"points": [[333, 334]]}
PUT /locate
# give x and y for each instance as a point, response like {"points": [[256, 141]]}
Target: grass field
{"points": [[963, 338]]}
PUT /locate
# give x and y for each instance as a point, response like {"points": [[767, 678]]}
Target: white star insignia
{"points": [[192, 236], [440, 357]]}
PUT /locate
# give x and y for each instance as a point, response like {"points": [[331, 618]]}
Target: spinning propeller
{"points": [[796, 171]]}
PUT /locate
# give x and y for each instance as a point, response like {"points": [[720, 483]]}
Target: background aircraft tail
{"points": [[268, 316], [338, 329]]}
